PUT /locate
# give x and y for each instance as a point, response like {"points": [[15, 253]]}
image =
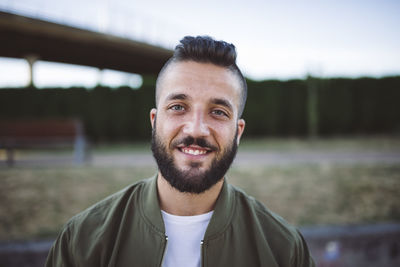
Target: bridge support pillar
{"points": [[31, 59]]}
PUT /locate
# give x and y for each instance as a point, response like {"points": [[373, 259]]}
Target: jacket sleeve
{"points": [[60, 254], [301, 256]]}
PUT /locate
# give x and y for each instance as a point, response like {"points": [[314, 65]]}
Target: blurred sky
{"points": [[275, 39]]}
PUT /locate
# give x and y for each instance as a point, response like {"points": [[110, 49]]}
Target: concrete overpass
{"points": [[23, 37]]}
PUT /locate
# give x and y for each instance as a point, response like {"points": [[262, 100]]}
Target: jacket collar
{"points": [[150, 207], [220, 220], [223, 212]]}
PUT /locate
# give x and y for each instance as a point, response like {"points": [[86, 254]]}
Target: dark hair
{"points": [[207, 50]]}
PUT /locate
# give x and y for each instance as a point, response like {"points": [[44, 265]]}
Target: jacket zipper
{"points": [[165, 250], [202, 252]]}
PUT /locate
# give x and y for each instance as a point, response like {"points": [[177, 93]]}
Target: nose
{"points": [[196, 126]]}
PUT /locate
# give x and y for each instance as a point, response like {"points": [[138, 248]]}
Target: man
{"points": [[187, 215]]}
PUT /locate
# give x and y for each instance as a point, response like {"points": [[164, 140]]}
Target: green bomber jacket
{"points": [[127, 229]]}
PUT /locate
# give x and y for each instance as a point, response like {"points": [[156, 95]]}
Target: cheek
{"points": [[166, 127], [224, 134]]}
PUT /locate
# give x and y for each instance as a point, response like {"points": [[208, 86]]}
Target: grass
{"points": [[328, 194], [37, 201]]}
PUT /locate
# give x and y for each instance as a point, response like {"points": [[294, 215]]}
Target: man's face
{"points": [[196, 128]]}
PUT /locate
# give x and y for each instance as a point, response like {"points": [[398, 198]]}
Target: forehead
{"points": [[199, 80]]}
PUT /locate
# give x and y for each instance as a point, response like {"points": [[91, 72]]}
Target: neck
{"points": [[186, 204]]}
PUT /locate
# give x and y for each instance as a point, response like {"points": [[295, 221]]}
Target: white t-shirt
{"points": [[185, 234]]}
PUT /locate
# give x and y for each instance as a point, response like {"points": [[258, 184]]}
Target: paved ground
{"points": [[244, 158], [320, 157], [266, 158]]}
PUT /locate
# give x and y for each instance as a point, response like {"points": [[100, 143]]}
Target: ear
{"points": [[153, 113], [240, 129]]}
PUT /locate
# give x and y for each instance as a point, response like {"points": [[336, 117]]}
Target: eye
{"points": [[177, 108], [219, 112]]}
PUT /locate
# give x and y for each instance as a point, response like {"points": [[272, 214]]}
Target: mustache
{"points": [[190, 140]]}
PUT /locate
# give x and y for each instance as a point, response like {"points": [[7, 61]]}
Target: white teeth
{"points": [[194, 152]]}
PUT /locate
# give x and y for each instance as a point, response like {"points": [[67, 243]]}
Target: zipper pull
{"points": [[165, 250]]}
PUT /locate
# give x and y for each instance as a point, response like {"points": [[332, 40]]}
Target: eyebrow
{"points": [[215, 101], [222, 102], [177, 97]]}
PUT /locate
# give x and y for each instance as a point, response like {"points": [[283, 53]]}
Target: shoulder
{"points": [[94, 230], [88, 238], [258, 211], [264, 238], [112, 205], [267, 225], [91, 237]]}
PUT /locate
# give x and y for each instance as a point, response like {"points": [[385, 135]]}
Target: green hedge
{"points": [[108, 115], [359, 106], [274, 108], [343, 107]]}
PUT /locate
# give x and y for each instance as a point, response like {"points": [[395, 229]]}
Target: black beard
{"points": [[192, 181]]}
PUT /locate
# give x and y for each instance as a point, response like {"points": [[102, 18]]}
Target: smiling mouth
{"points": [[192, 151], [195, 151]]}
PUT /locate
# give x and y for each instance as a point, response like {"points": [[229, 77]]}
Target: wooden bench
{"points": [[43, 134]]}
